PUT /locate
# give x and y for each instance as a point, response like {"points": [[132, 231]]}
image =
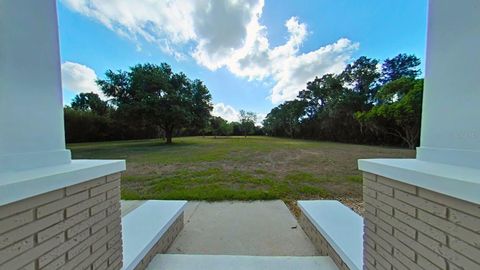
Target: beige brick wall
{"points": [[407, 227], [320, 243], [77, 227], [163, 243]]}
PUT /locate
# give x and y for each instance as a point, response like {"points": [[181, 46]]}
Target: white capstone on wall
{"points": [[451, 108], [31, 110]]}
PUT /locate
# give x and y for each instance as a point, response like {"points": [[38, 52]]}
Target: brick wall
{"points": [[77, 227], [407, 227], [163, 243], [320, 243]]}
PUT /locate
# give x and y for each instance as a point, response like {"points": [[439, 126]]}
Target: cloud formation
{"points": [[230, 114], [79, 78], [227, 112], [222, 34]]}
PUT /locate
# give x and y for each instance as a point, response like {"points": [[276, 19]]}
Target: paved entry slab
{"points": [[260, 228]]}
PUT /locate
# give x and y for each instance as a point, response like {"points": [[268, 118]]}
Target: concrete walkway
{"points": [[260, 228]]}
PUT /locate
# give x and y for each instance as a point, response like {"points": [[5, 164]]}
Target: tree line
{"points": [[149, 101], [367, 103]]}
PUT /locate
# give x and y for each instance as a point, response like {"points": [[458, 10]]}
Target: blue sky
{"points": [[251, 54]]}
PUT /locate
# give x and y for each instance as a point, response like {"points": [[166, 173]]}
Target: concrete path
{"points": [[260, 228], [235, 262]]}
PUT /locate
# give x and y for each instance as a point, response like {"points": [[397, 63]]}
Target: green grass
{"points": [[237, 168]]}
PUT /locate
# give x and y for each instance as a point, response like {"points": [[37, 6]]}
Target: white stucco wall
{"points": [[31, 113], [451, 108]]}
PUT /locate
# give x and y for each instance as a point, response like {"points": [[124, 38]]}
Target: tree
{"points": [[201, 106], [285, 119], [236, 128], [361, 78], [89, 102], [348, 107], [153, 95], [399, 114], [247, 122], [87, 126], [220, 126], [402, 65], [320, 93], [332, 100]]}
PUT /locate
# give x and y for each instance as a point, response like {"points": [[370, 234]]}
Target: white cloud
{"points": [[222, 34], [79, 78], [230, 114], [227, 112], [293, 73], [260, 118]]}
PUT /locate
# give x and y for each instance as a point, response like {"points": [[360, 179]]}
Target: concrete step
{"points": [[144, 226], [341, 228], [234, 262]]}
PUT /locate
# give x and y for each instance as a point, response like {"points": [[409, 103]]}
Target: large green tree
{"points": [[321, 93], [201, 106], [399, 114], [285, 119], [89, 102], [361, 77], [332, 100], [402, 65], [367, 102], [153, 95], [220, 126]]}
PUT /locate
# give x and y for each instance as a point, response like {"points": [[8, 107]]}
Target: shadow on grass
{"points": [[123, 149]]}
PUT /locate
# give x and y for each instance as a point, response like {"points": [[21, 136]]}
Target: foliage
{"points": [[399, 113], [90, 102], [402, 65], [285, 119], [154, 96], [149, 101], [83, 126], [334, 106], [247, 122], [220, 126], [361, 78], [368, 102]]}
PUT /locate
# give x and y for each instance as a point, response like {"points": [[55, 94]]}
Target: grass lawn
{"points": [[237, 168]]}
